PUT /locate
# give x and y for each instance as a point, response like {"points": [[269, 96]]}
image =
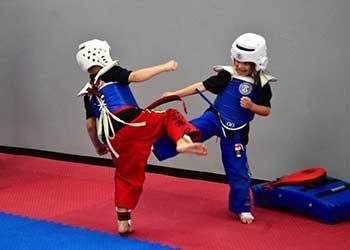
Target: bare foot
{"points": [[194, 148], [246, 218], [124, 227]]}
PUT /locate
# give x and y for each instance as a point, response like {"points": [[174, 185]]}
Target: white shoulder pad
{"points": [[265, 78], [84, 91], [105, 69], [218, 68]]}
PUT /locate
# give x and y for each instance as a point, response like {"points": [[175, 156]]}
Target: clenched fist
{"points": [[246, 102], [171, 65], [102, 149]]}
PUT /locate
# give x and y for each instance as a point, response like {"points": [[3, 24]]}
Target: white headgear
{"points": [[250, 47], [94, 53]]}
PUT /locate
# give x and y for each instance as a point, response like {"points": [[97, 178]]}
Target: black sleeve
{"points": [[88, 108], [116, 74], [217, 83], [266, 95]]}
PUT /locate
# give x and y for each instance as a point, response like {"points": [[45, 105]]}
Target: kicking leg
{"points": [[185, 145]]}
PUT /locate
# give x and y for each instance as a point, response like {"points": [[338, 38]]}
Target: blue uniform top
{"points": [[227, 103], [117, 75], [115, 95], [217, 84]]}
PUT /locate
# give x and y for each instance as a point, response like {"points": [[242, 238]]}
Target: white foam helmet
{"points": [[250, 47], [93, 53]]}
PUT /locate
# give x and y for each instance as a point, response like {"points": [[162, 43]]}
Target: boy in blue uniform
{"points": [[242, 91]]}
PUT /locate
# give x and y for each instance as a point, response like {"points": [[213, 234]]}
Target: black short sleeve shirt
{"points": [[218, 82], [115, 74], [215, 84]]}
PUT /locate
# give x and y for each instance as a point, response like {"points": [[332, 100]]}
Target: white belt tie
{"points": [[105, 124]]}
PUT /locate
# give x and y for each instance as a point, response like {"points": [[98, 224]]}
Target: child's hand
{"points": [[246, 102], [102, 149], [167, 94], [171, 65], [100, 83]]}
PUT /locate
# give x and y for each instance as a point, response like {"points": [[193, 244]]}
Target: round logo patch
{"points": [[245, 88], [230, 124]]}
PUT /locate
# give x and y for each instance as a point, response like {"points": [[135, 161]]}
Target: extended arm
{"points": [[213, 84], [190, 90], [147, 73]]}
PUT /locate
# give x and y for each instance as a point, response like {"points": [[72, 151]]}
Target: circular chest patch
{"points": [[245, 88], [230, 124]]}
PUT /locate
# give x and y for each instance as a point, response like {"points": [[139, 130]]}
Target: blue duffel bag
{"points": [[327, 200]]}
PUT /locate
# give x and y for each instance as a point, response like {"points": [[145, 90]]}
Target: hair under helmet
{"points": [[250, 47]]}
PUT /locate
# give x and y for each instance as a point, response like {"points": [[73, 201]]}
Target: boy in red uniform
{"points": [[124, 129]]}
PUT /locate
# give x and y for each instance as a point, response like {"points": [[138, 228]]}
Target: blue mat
{"points": [[20, 233]]}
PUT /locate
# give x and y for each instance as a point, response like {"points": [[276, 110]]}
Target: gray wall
{"points": [[307, 48]]}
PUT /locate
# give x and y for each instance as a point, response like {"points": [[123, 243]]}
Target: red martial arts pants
{"points": [[134, 144]]}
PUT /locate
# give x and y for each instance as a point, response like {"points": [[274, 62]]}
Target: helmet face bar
{"points": [[250, 47], [93, 53]]}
